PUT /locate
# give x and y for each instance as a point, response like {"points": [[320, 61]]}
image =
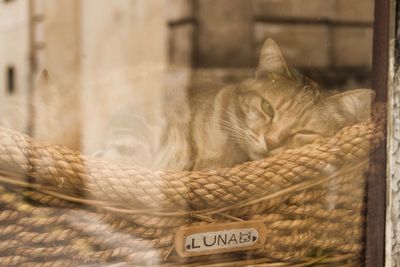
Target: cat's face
{"points": [[245, 237], [280, 109]]}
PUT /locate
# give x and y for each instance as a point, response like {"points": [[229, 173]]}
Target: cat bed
{"points": [[60, 208]]}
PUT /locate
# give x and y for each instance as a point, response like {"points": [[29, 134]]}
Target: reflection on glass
{"points": [[209, 132]]}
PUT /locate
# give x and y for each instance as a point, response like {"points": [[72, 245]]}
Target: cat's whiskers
{"points": [[231, 116], [233, 128], [248, 133], [238, 133]]}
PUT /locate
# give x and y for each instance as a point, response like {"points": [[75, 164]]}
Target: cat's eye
{"points": [[267, 108]]}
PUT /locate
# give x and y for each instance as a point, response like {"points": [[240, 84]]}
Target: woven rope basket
{"points": [[59, 208]]}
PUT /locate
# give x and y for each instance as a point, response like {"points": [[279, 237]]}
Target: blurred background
{"points": [[102, 55]]}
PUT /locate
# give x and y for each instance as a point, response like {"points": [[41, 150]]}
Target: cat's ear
{"points": [[271, 60], [354, 105]]}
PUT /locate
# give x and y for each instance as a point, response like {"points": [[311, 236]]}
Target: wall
{"points": [[100, 56], [330, 40], [124, 55], [14, 51], [56, 49], [388, 204]]}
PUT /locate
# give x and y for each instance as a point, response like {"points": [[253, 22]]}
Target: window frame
{"points": [[384, 18]]}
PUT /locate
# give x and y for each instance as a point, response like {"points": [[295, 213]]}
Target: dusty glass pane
{"points": [[168, 133]]}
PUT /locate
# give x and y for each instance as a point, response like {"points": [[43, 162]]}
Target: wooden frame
{"points": [[384, 28]]}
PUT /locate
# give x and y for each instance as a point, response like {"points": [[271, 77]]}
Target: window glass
{"points": [[188, 133]]}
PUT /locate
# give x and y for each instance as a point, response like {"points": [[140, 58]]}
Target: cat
{"points": [[257, 118]]}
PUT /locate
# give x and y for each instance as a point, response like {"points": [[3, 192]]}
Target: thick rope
{"points": [[139, 188], [85, 211]]}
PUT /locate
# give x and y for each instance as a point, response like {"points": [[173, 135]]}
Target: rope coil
{"points": [[86, 211]]}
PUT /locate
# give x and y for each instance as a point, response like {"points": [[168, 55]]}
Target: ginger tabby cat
{"points": [[275, 110]]}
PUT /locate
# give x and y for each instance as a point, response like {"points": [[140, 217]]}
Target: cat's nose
{"points": [[272, 142]]}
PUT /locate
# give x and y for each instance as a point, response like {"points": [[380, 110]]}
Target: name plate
{"points": [[219, 238]]}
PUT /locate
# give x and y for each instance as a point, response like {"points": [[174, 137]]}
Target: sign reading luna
{"points": [[219, 238]]}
